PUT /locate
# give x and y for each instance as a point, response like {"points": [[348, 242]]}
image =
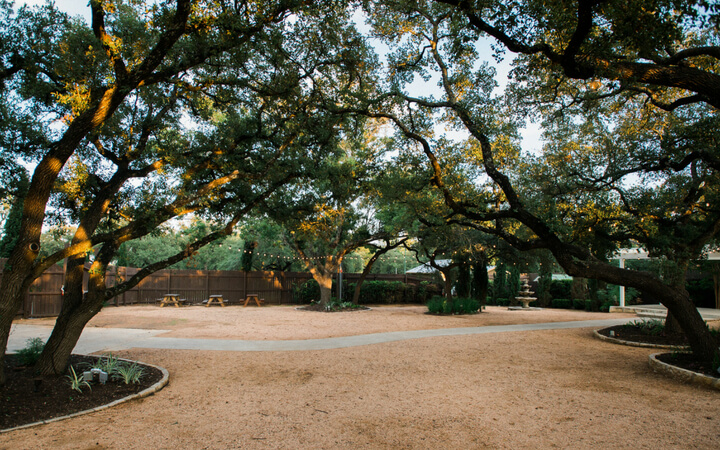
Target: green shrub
{"points": [[562, 303], [503, 301], [305, 293], [29, 355], [588, 305], [425, 291], [385, 292], [560, 288], [652, 327], [435, 305], [465, 305], [375, 292], [605, 307], [578, 303], [459, 305]]}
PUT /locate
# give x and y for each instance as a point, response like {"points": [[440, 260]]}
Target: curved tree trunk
{"points": [[672, 326], [681, 309], [369, 265], [56, 354], [69, 326], [363, 275]]}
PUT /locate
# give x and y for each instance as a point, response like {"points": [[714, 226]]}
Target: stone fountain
{"points": [[525, 297]]}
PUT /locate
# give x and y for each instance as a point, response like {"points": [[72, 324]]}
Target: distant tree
{"points": [[480, 281], [247, 257]]}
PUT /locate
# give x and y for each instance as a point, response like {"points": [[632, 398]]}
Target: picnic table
{"points": [[259, 301], [216, 298], [171, 298]]}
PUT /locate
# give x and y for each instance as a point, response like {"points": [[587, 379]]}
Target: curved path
{"points": [[113, 339]]}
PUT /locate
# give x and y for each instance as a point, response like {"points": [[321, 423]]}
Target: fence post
{"points": [[207, 284], [244, 289]]}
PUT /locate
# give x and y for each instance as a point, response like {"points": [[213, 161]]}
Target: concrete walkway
{"points": [[113, 339], [660, 311]]}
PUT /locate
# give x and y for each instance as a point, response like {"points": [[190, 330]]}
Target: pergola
{"points": [[639, 253]]}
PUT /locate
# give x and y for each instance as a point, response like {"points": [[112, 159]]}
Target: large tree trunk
{"points": [[672, 326], [480, 281], [670, 291], [361, 280], [11, 298], [447, 279], [75, 314], [682, 309], [324, 278], [18, 272], [70, 322]]}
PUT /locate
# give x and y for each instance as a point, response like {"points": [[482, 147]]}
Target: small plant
{"points": [[31, 353], [435, 305], [77, 382], [337, 305], [130, 373], [108, 364], [652, 327]]}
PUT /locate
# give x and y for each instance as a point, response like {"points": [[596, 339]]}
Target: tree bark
{"points": [[671, 293], [70, 322], [672, 326], [447, 279], [361, 280], [11, 297], [75, 314], [324, 279], [480, 281]]}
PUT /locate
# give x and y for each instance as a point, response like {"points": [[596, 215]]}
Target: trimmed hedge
{"points": [[562, 303], [560, 289], [459, 305], [372, 292]]}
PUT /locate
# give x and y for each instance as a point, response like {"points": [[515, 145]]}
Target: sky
{"points": [[531, 134]]}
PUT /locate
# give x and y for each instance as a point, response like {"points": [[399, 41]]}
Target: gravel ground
{"points": [[533, 389]]}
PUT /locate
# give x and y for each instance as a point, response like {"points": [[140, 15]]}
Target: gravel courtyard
{"points": [[530, 389]]}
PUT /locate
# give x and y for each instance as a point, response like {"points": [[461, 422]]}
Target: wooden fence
{"points": [[45, 295]]}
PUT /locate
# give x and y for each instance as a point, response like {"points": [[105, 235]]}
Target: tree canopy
{"points": [[283, 108]]}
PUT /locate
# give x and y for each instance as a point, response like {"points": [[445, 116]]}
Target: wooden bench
{"points": [[258, 301], [217, 299], [172, 299]]}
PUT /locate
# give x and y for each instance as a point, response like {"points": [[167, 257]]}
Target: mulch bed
{"points": [[26, 399], [632, 334], [683, 360]]}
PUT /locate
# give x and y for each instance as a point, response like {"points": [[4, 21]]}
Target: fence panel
{"points": [[44, 298]]}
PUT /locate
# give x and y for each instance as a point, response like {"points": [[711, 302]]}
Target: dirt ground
{"points": [[532, 389]]}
